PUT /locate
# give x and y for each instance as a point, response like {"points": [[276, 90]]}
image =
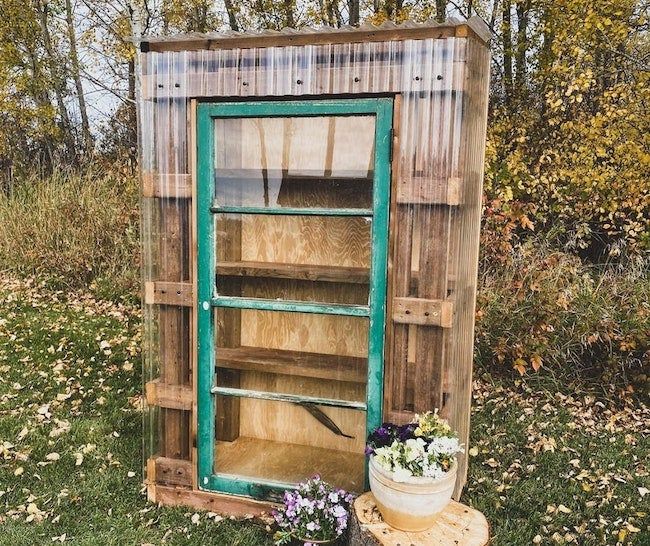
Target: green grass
{"points": [[546, 463]]}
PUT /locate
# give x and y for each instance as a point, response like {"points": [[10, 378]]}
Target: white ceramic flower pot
{"points": [[410, 505]]}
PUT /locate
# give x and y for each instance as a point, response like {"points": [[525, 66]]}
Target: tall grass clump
{"points": [[551, 311], [74, 229]]}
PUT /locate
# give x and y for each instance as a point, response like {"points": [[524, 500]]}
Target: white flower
{"points": [[414, 449], [433, 471], [401, 474], [444, 446]]}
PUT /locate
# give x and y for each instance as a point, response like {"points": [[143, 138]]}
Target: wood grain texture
{"points": [[208, 501], [178, 397], [456, 525], [166, 186], [294, 363], [424, 312], [282, 421], [173, 471], [344, 36], [426, 191], [169, 293], [290, 463], [311, 272]]}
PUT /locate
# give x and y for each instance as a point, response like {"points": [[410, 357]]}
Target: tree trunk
{"points": [[58, 82], [441, 10], [507, 51], [522, 46], [232, 15], [135, 74], [288, 13], [74, 61], [353, 10]]}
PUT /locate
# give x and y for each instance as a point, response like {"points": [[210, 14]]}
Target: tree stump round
{"points": [[456, 525]]}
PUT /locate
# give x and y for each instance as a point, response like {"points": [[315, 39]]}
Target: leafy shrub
{"points": [[547, 309], [75, 229]]}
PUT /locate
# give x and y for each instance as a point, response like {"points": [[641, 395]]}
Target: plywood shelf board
{"points": [[326, 273], [296, 363], [287, 175], [322, 273], [289, 463]]}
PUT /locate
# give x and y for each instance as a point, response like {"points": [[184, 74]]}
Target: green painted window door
{"points": [[292, 226]]}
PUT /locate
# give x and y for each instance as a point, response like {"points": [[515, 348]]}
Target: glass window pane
{"points": [[301, 258], [280, 441], [295, 162]]}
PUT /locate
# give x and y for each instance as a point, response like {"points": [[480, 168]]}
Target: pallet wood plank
{"points": [[295, 363], [421, 311], [169, 293], [429, 191], [208, 501], [172, 471], [174, 266], [160, 394], [295, 39], [166, 186]]}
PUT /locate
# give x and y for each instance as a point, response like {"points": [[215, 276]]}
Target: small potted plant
{"points": [[313, 513], [412, 470]]}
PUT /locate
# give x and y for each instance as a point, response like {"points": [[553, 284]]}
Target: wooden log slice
{"points": [[456, 525]]}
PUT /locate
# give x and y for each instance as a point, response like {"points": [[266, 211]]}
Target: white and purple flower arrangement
{"points": [[425, 447], [313, 513]]}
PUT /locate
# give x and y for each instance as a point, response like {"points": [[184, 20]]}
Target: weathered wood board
{"points": [[457, 525]]}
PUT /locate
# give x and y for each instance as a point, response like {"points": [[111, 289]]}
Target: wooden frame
{"points": [[437, 78]]}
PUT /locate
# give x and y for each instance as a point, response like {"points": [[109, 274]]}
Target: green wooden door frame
{"points": [[208, 300]]}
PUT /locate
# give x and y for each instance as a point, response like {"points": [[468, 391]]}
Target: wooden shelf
{"points": [[289, 463], [296, 363], [326, 273], [307, 272], [286, 176]]}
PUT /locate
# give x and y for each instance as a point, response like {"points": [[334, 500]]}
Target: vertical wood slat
{"points": [[472, 157], [429, 357], [174, 326]]}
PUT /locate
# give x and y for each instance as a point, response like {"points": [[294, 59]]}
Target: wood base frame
{"points": [[209, 501]]}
